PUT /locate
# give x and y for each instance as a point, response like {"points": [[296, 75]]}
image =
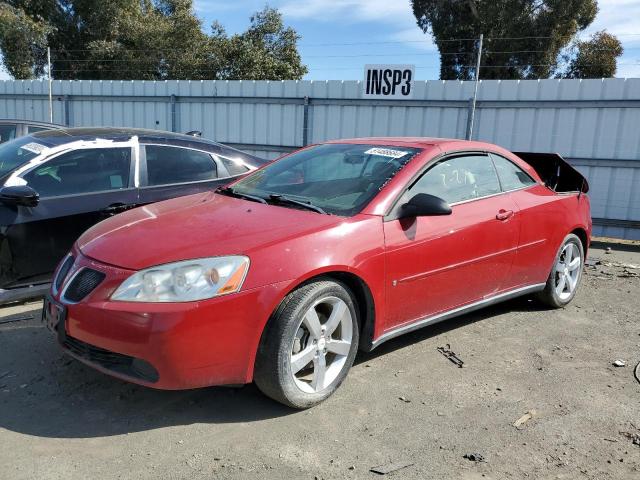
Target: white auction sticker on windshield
{"points": [[386, 152], [34, 148]]}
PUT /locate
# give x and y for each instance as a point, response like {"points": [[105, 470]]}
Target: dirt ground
{"points": [[405, 403]]}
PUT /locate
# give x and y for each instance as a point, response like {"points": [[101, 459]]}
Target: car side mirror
{"points": [[19, 195], [425, 205]]}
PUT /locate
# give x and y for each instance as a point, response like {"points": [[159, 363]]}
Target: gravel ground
{"points": [[405, 403]]}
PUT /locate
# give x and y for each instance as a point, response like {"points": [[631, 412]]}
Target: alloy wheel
{"points": [[568, 271], [321, 345]]}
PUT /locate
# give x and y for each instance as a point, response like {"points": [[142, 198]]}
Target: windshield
{"points": [[17, 152], [340, 179]]}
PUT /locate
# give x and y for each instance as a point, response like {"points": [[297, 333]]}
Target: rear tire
{"points": [[308, 345], [565, 275]]}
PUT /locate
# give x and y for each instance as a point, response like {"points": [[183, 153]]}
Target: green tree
{"points": [[267, 49], [523, 38], [593, 58], [141, 39], [23, 42]]}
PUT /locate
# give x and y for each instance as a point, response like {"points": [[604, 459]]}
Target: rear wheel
{"points": [[309, 345], [565, 275]]}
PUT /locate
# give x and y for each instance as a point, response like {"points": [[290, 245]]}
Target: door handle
{"points": [[504, 214], [114, 208]]}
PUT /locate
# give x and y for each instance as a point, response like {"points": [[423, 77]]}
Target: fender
{"points": [[372, 305]]}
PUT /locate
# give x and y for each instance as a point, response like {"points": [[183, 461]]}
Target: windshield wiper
{"points": [[308, 205], [234, 193]]}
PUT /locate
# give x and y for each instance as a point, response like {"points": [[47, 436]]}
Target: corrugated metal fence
{"points": [[593, 123]]}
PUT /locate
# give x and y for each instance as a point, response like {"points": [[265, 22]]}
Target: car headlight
{"points": [[185, 281]]}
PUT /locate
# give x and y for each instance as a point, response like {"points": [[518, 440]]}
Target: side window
{"points": [[234, 167], [167, 165], [35, 128], [82, 171], [7, 132], [458, 179], [511, 176]]}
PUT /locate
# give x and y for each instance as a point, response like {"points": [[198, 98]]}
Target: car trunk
{"points": [[555, 172]]}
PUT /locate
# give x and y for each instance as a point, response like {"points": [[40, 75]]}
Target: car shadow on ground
{"points": [[521, 304], [47, 394]]}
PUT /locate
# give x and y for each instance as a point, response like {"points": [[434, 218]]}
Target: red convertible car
{"points": [[281, 277]]}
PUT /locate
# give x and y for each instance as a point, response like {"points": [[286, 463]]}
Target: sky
{"points": [[340, 36]]}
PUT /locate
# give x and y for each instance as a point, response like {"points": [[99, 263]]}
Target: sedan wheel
{"points": [[565, 275], [322, 344], [567, 271], [309, 345]]}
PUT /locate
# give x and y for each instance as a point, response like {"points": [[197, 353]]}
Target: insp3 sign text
{"points": [[388, 81]]}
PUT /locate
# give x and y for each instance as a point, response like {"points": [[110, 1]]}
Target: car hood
{"points": [[196, 226]]}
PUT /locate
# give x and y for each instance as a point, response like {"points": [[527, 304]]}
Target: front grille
{"points": [[62, 273], [83, 284], [115, 362]]}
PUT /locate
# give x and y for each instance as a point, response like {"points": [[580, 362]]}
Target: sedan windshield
{"points": [[339, 179], [18, 152]]}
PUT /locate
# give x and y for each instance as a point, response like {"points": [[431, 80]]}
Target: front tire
{"points": [[308, 345], [565, 275]]}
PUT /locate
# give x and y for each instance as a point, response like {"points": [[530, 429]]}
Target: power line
{"points": [[390, 42], [147, 60], [544, 65], [444, 40], [170, 65], [359, 68], [363, 55], [89, 70], [340, 44]]}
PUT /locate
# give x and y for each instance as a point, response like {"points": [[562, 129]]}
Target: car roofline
{"points": [[56, 126], [64, 135]]}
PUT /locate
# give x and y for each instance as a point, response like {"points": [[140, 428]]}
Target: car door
{"points": [[77, 189], [439, 263], [539, 216], [169, 171]]}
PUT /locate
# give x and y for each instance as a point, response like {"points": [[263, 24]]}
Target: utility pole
{"points": [[49, 74], [475, 91]]}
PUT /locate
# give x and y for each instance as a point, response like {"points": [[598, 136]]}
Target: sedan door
{"points": [[169, 171], [77, 190], [540, 216], [439, 263]]}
